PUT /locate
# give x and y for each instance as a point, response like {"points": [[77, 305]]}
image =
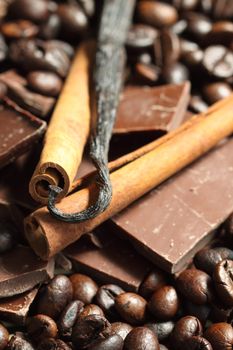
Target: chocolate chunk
{"points": [[146, 109], [21, 270], [174, 221], [15, 309], [19, 131], [116, 262]]}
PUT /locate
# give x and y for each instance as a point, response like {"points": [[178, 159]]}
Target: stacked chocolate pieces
{"points": [[158, 275]]}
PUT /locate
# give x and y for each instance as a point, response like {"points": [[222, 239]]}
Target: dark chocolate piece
{"points": [[21, 270], [152, 108], [18, 132], [15, 309], [115, 262], [171, 223]]}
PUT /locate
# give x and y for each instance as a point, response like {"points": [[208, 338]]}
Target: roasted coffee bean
{"points": [[146, 73], [131, 307], [141, 338], [69, 316], [220, 34], [161, 329], [179, 27], [155, 280], [3, 48], [206, 259], [193, 59], [39, 55], [121, 329], [220, 336], [40, 327], [184, 329], [51, 28], [166, 48], [215, 92], [53, 344], [84, 287], [45, 83], [195, 285], [201, 312], [61, 45], [219, 313], [162, 347], [105, 298], [73, 19], [4, 336], [218, 61], [185, 5], [7, 230], [197, 104], [144, 58], [164, 303], [88, 6], [18, 343], [218, 8], [91, 309], [111, 342], [57, 294], [19, 29], [223, 281], [156, 14], [35, 11], [141, 37], [198, 343], [187, 46], [175, 74], [198, 25], [88, 330]]}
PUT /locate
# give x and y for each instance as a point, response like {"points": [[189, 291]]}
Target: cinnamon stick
{"points": [[48, 236], [67, 132]]}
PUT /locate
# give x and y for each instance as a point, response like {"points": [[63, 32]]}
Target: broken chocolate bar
{"points": [[21, 270], [115, 261], [152, 108], [171, 223], [15, 309]]}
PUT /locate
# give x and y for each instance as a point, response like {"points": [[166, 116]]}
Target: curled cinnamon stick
{"points": [[67, 132], [47, 236]]}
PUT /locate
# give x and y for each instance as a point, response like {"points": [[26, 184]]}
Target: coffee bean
{"points": [[4, 336], [84, 287], [164, 303], [18, 343], [45, 83], [218, 61], [220, 313], [195, 285], [198, 25], [121, 329], [198, 343], [185, 5], [175, 74], [156, 14], [73, 20], [50, 29], [162, 347], [215, 92], [197, 104], [201, 312], [61, 45], [166, 48], [88, 330], [3, 48], [221, 34], [144, 58], [141, 37], [220, 336], [193, 59], [187, 46], [184, 329], [105, 298], [39, 55], [88, 6], [141, 338], [161, 329], [35, 11], [223, 280], [19, 29], [57, 294], [69, 316], [91, 309], [112, 342], [206, 259], [131, 307], [7, 230], [218, 8], [155, 280], [40, 327], [53, 344]]}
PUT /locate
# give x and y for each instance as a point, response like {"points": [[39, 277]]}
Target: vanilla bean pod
{"points": [[108, 79]]}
